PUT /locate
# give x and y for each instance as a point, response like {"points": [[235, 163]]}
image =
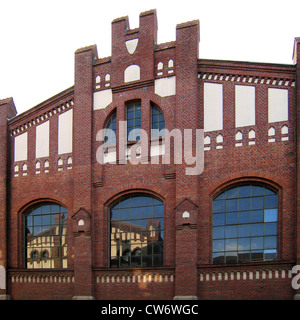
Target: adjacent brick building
{"points": [[79, 223]]}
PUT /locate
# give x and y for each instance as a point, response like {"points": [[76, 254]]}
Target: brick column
{"points": [[297, 61], [82, 166], [7, 110], [186, 64], [186, 251]]}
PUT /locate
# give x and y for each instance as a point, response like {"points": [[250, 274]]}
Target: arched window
{"points": [[137, 232], [45, 236], [157, 122], [245, 224], [111, 134], [134, 121]]}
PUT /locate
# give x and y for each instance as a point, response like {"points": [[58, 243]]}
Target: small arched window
{"points": [[134, 121], [157, 122], [245, 224], [45, 236], [137, 232], [111, 129]]}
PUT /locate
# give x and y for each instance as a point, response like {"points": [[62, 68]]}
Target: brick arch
{"points": [[133, 189], [233, 179], [28, 203]]}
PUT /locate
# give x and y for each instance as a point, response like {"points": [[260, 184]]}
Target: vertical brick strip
{"points": [[82, 159], [7, 110], [187, 43]]}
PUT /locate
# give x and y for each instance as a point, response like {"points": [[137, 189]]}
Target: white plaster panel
{"points": [[277, 104], [213, 107], [165, 87], [102, 99], [42, 140], [65, 132], [132, 73], [244, 105], [2, 278], [131, 45], [20, 151]]}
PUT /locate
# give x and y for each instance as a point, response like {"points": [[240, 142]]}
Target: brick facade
{"points": [[172, 76]]}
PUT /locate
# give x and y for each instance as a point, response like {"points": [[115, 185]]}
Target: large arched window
{"points": [[137, 232], [157, 122], [45, 236], [245, 224]]}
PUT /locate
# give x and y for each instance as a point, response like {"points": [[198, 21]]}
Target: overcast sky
{"points": [[39, 38]]}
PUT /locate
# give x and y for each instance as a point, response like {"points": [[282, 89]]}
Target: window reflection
{"points": [[137, 232], [45, 232], [245, 224]]}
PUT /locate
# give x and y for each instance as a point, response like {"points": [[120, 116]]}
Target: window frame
{"points": [[63, 234], [242, 182], [134, 103], [153, 106], [109, 208]]}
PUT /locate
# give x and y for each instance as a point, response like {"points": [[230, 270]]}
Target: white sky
{"points": [[39, 38]]}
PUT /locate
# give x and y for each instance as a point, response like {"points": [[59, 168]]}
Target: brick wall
{"points": [[88, 189]]}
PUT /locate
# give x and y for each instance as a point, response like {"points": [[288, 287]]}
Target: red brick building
{"points": [[79, 223]]}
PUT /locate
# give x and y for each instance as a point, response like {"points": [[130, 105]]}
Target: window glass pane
{"points": [[270, 254], [232, 218], [244, 244], [218, 257], [219, 219], [219, 206], [244, 191], [231, 231], [231, 245], [257, 191], [218, 245], [257, 203], [271, 201], [245, 217], [270, 215], [244, 230], [232, 193], [244, 204], [218, 232], [231, 257], [257, 243], [244, 256], [270, 242], [231, 205], [257, 229], [270, 229], [257, 216], [221, 196], [257, 255]]}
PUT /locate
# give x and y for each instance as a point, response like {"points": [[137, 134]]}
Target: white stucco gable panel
{"points": [[65, 132], [21, 147], [2, 278], [165, 87], [278, 105], [42, 143], [131, 45], [132, 73], [102, 99]]}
